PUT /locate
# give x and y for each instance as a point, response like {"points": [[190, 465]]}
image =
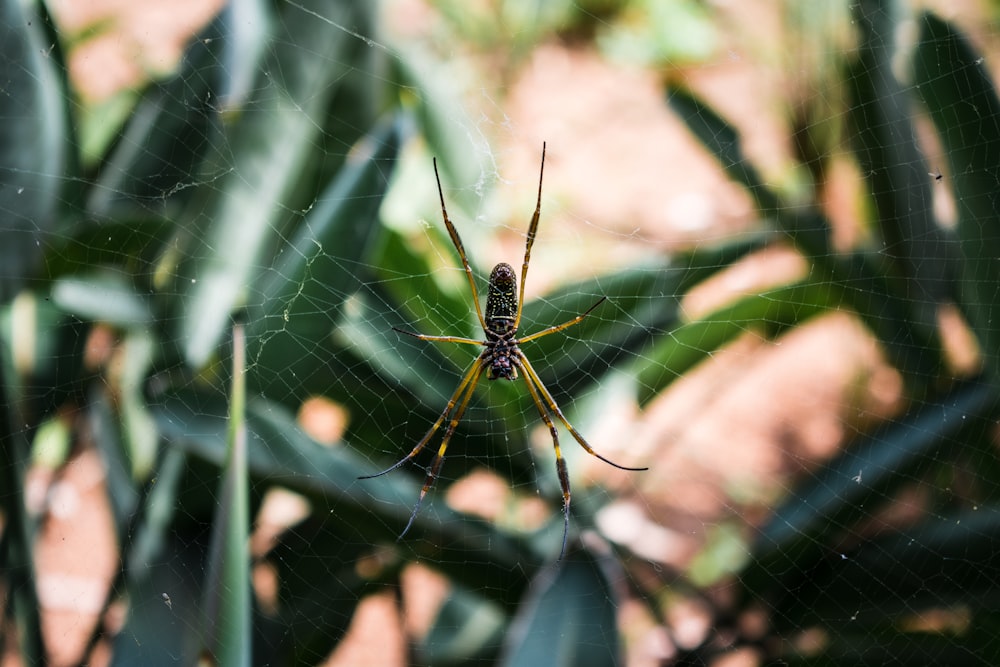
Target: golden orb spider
{"points": [[501, 358]]}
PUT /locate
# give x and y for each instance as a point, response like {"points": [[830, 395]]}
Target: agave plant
{"points": [[238, 201], [224, 235], [197, 210], [840, 576]]}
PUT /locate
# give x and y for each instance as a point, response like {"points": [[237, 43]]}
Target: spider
{"points": [[501, 358]]}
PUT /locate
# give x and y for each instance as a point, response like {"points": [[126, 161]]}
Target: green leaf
{"points": [[35, 139], [913, 569], [100, 123], [128, 245], [105, 297], [723, 142], [312, 619], [123, 492], [45, 349], [847, 489], [176, 122], [164, 610], [724, 553], [281, 454], [408, 278], [568, 619], [17, 558], [654, 34], [957, 90], [302, 296], [467, 628], [51, 445], [642, 309], [243, 208], [391, 361], [141, 436], [852, 643], [372, 510], [228, 605], [244, 28], [865, 282], [694, 342], [916, 252], [422, 368], [436, 107], [875, 600], [152, 164]]}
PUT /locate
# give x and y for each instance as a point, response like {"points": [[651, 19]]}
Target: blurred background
{"points": [[790, 208]]}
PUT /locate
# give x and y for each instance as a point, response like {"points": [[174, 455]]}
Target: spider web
{"points": [[775, 202]]}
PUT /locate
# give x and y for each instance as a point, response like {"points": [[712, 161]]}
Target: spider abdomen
{"points": [[501, 300]]}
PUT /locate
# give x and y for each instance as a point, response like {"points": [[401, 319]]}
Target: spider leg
{"points": [[474, 372], [560, 461], [432, 472], [529, 371], [532, 231], [564, 325], [457, 241], [440, 339]]}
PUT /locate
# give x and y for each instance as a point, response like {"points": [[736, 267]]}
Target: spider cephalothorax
{"points": [[501, 358]]}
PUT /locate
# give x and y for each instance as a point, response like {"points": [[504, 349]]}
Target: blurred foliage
{"points": [[831, 565], [660, 34], [247, 186], [640, 32]]}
